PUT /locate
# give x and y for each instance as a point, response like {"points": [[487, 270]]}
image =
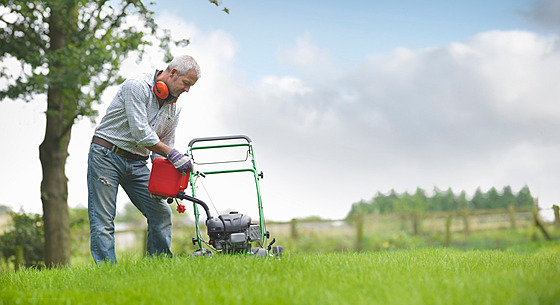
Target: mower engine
{"points": [[232, 233]]}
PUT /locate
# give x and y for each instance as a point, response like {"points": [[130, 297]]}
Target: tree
{"points": [[359, 208], [443, 200], [4, 209], [508, 198], [419, 201], [524, 198], [26, 234], [494, 199], [385, 202], [462, 202], [69, 50], [478, 201]]}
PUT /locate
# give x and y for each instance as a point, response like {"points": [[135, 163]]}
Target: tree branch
{"points": [[115, 21], [25, 30], [95, 17]]}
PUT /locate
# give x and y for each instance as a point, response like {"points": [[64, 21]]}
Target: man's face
{"points": [[178, 84]]}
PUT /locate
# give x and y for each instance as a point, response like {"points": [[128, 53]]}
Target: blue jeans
{"points": [[106, 171]]}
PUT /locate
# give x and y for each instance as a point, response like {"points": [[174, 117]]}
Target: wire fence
{"points": [[464, 228], [412, 229]]}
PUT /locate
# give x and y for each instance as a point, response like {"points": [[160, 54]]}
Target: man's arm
{"points": [[181, 161], [160, 148]]}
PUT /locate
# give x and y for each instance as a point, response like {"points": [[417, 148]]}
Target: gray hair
{"points": [[183, 64]]}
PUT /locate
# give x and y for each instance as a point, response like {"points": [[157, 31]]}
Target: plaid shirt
{"points": [[135, 120]]}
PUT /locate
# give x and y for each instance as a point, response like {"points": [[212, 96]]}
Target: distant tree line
{"points": [[441, 201]]}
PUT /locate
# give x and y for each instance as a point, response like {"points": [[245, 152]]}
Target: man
{"points": [[140, 120]]}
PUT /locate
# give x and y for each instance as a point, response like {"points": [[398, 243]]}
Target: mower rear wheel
{"points": [[277, 251], [259, 252], [202, 252]]}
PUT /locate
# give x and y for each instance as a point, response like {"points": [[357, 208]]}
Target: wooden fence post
{"points": [[360, 232], [466, 228], [20, 258], [448, 230], [533, 230], [556, 215], [293, 229], [511, 209], [538, 223], [415, 223]]}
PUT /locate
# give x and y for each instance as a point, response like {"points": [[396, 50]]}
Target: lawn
{"points": [[521, 275]]}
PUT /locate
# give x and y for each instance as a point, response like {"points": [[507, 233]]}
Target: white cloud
{"points": [[310, 60], [479, 112]]}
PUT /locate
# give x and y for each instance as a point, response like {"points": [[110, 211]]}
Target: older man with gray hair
{"points": [[141, 120]]}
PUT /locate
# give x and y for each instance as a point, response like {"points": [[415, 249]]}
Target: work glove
{"points": [[158, 197], [181, 162]]}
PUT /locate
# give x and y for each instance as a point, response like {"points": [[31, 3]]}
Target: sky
{"points": [[343, 100]]}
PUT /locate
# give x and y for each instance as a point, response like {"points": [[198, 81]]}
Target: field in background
{"points": [[494, 229], [486, 229], [518, 275]]}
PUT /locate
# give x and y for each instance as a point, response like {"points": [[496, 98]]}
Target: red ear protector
{"points": [[161, 90]]}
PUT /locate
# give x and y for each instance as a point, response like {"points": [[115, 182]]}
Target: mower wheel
{"points": [[259, 252], [202, 252], [277, 251]]}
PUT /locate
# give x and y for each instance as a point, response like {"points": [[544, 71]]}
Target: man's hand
{"points": [[181, 162]]}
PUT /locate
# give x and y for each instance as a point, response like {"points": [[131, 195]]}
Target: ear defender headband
{"points": [[161, 90]]}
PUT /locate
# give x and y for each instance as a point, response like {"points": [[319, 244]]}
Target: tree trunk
{"points": [[53, 153]]}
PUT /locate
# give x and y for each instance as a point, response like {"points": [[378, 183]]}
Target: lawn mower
{"points": [[232, 233]]}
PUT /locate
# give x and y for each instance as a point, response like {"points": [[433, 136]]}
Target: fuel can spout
{"points": [[182, 195]]}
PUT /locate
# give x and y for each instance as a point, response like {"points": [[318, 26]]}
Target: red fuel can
{"points": [[165, 180]]}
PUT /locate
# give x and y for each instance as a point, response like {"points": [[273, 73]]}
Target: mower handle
{"points": [[219, 138]]}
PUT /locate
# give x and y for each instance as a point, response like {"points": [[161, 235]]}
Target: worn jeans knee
{"points": [[106, 171]]}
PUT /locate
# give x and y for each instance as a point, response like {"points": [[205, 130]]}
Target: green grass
{"points": [[519, 275]]}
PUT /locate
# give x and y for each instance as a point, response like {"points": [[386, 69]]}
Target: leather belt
{"points": [[117, 150]]}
